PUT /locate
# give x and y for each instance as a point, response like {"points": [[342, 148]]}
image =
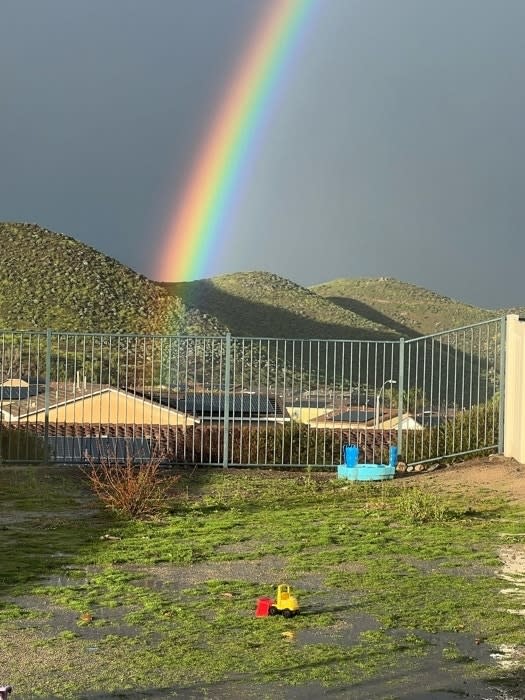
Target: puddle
{"points": [[345, 632], [443, 565], [266, 570], [510, 657], [254, 691]]}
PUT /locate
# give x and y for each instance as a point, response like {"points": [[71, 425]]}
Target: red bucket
{"points": [[263, 606]]}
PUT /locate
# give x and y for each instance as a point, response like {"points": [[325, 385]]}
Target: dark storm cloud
{"points": [[102, 105], [396, 150]]}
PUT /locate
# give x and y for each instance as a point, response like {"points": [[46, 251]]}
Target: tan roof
{"points": [[62, 394], [15, 381]]}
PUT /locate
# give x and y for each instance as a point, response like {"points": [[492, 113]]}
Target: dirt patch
{"points": [[501, 475]]}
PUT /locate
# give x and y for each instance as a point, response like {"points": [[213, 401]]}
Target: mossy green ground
{"points": [[387, 577]]}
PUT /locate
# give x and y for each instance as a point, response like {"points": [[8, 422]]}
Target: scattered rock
{"points": [[410, 468], [434, 467], [419, 468]]}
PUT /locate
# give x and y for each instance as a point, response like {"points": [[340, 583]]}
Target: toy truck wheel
{"points": [[287, 613], [273, 610]]}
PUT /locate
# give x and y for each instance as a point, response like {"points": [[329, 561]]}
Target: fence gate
{"points": [[70, 397], [453, 387]]}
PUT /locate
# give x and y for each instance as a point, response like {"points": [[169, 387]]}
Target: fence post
{"points": [[502, 350], [227, 379], [400, 380], [47, 394], [514, 436]]}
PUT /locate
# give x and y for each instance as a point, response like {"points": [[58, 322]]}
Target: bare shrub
{"points": [[135, 491]]}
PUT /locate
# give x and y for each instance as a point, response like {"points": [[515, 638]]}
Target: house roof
{"points": [[354, 416], [22, 381], [60, 394], [429, 420], [308, 403], [213, 405], [17, 392]]}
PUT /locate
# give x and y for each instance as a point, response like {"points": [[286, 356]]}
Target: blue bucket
{"points": [[392, 456], [350, 455]]}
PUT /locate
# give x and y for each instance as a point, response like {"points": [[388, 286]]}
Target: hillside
{"points": [[50, 280], [406, 309], [262, 304]]}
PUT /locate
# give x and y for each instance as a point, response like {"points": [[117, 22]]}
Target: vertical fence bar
{"points": [[449, 405], [226, 425], [501, 413], [47, 394], [400, 383]]}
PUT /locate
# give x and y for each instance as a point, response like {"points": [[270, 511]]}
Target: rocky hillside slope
{"points": [[50, 280]]}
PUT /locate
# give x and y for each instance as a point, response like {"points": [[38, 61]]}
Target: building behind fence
{"points": [[250, 401]]}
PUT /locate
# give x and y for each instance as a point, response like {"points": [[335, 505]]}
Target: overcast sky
{"points": [[397, 148]]}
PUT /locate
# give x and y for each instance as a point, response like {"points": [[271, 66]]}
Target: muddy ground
{"points": [[493, 475]]}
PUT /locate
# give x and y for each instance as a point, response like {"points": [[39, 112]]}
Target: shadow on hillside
{"points": [[368, 312], [247, 318], [431, 368]]}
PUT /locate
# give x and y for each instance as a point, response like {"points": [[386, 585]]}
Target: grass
{"points": [[94, 603]]}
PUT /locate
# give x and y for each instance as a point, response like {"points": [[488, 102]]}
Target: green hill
{"points": [[261, 304], [49, 280], [406, 309]]}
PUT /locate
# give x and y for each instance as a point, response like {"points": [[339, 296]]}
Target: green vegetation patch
{"points": [[66, 285], [170, 603]]}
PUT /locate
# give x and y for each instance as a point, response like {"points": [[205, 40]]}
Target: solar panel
{"points": [[18, 393], [81, 449]]}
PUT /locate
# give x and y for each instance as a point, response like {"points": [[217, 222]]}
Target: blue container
{"points": [[392, 456], [350, 455], [366, 472]]}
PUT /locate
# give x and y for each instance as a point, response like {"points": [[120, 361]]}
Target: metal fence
{"points": [[69, 397]]}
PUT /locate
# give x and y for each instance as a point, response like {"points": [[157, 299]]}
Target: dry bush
{"points": [[135, 491]]}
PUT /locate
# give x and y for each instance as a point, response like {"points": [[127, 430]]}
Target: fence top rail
{"points": [[167, 336], [455, 330], [141, 336], [316, 340], [19, 332]]}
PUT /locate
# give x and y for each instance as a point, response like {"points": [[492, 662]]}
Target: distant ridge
{"points": [[405, 308], [50, 280], [262, 304]]}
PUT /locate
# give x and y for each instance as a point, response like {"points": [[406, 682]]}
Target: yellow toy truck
{"points": [[285, 604]]}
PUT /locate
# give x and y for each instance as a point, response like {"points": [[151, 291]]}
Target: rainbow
{"points": [[219, 169]]}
